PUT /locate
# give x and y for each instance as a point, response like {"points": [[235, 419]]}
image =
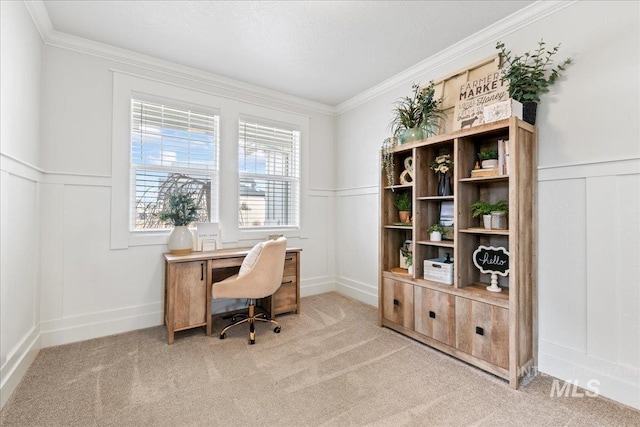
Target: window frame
{"points": [[213, 173], [294, 179]]}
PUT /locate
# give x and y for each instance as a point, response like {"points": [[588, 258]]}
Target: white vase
{"points": [[486, 220], [180, 240], [435, 236], [410, 270]]}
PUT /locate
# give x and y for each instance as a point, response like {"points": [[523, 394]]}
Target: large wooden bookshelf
{"points": [[493, 331]]}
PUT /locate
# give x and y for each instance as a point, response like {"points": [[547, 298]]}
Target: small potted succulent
{"points": [[435, 232], [488, 158], [403, 203]]}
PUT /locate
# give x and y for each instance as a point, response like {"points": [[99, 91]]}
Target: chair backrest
{"points": [[262, 280]]}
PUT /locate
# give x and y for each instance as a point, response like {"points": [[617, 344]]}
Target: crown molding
{"points": [[55, 38], [520, 19]]}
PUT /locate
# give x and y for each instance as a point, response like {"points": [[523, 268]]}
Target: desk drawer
{"points": [[286, 297], [290, 264]]}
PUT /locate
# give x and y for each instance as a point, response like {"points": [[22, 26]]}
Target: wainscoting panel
{"points": [[589, 270]]}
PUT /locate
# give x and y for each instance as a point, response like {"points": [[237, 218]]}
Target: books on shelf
{"points": [[477, 173]]}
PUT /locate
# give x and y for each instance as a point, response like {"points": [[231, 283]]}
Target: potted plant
{"points": [[408, 258], [530, 75], [180, 210], [403, 203], [386, 158], [417, 115], [488, 158], [485, 209], [435, 232]]}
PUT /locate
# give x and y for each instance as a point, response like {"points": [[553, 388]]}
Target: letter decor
{"points": [[494, 261]]}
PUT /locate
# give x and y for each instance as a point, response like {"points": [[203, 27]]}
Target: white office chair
{"points": [[260, 276]]}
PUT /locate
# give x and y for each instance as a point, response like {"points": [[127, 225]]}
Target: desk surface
{"points": [[220, 253]]}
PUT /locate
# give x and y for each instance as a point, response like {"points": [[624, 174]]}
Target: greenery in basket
{"points": [[442, 164], [403, 201], [421, 110], [179, 210], [485, 208], [436, 228], [488, 154], [531, 74]]}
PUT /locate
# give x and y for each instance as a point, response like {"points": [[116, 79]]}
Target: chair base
{"points": [[251, 318]]}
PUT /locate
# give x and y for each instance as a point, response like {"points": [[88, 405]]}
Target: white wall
{"points": [[20, 74], [589, 186]]}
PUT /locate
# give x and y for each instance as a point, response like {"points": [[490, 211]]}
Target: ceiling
{"points": [[324, 51]]}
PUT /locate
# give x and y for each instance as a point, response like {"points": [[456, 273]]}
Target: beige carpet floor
{"points": [[331, 366]]}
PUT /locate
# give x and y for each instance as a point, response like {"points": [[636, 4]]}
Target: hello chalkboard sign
{"points": [[491, 260]]}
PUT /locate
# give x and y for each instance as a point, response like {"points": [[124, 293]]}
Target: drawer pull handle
{"points": [[396, 302], [289, 259], [432, 314], [287, 282], [202, 271], [479, 330]]}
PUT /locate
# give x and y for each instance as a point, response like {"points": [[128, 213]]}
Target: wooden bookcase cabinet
{"points": [[493, 331]]}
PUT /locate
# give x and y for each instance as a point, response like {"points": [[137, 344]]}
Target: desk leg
{"points": [[208, 298]]}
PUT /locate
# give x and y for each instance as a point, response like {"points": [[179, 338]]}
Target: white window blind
{"points": [[269, 175], [173, 149]]}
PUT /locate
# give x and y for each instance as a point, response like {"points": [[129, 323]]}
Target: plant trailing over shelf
{"points": [[386, 157], [420, 112], [436, 228], [180, 210], [403, 201], [488, 154], [485, 208]]}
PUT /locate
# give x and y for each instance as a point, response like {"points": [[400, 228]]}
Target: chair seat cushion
{"points": [[250, 259]]}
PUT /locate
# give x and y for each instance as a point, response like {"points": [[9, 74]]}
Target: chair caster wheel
{"points": [[223, 336], [252, 342], [277, 329]]}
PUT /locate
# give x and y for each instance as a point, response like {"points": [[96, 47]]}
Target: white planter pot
{"points": [[489, 164], [180, 240], [410, 270], [486, 220], [436, 236]]}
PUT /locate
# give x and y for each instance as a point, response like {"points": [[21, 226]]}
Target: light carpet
{"points": [[331, 366]]}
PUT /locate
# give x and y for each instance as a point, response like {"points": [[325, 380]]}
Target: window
{"points": [[269, 175], [173, 149]]}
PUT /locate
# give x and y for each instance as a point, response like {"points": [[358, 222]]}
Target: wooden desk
{"points": [[188, 280]]}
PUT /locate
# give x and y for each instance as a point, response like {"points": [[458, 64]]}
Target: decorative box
{"points": [[437, 270], [502, 110]]}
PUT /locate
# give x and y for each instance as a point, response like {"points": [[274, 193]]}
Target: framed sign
{"points": [[494, 261]]}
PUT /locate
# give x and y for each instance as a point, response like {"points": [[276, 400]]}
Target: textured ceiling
{"points": [[324, 51]]}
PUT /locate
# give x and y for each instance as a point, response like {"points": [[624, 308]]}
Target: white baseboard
{"points": [[360, 291], [316, 286], [17, 364], [79, 328], [614, 381]]}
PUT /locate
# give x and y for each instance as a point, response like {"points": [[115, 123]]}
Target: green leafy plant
{"points": [[386, 158], [531, 74], [408, 255], [403, 201], [487, 154], [436, 228], [421, 110], [180, 210], [485, 208]]}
